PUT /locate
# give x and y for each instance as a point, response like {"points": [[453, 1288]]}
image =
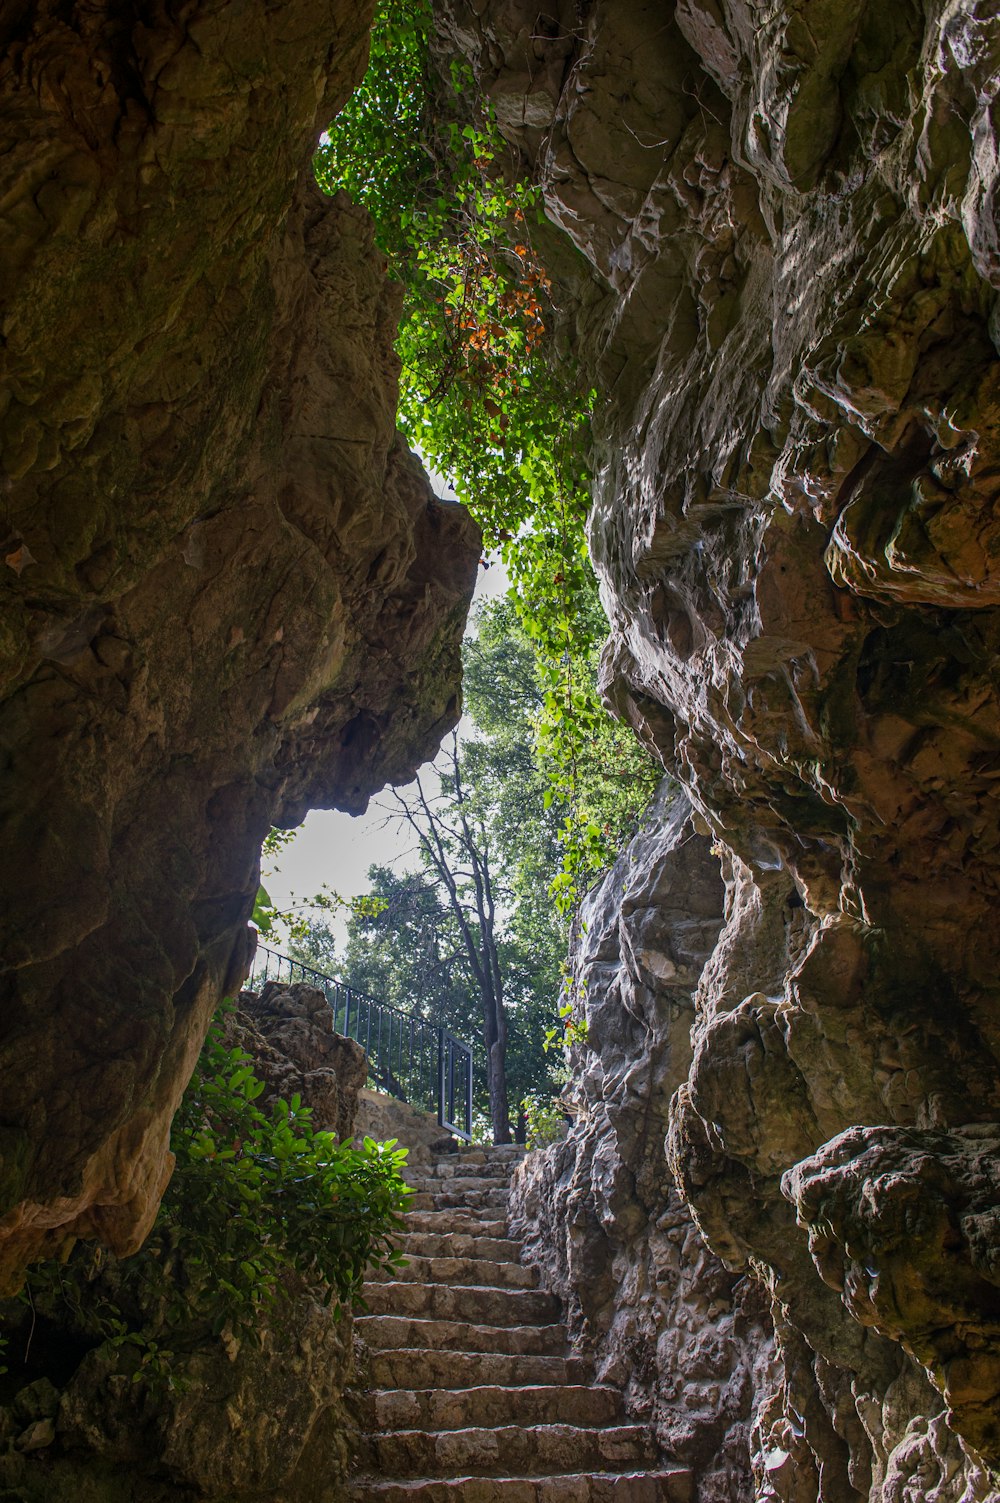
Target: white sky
{"points": [[337, 849]]}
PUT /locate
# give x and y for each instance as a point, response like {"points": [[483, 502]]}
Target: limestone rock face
{"points": [[383, 1117], [789, 217], [246, 1423], [689, 1343], [226, 591], [289, 1032], [904, 1224]]}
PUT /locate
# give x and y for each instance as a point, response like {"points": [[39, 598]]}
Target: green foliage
{"points": [[545, 1120], [300, 923], [259, 1195], [573, 1029], [315, 944], [490, 812], [259, 1202], [484, 401], [410, 954], [265, 914]]}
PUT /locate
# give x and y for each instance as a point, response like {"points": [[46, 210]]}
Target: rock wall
{"points": [[240, 1420], [383, 1117], [788, 216], [690, 1344], [226, 591], [289, 1032]]}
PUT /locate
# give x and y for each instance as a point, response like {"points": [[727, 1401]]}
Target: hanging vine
{"points": [[483, 399]]}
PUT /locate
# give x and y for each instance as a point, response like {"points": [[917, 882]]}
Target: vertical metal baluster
{"points": [[427, 1067], [400, 1068], [451, 1080], [387, 1068], [397, 1068], [468, 1093]]}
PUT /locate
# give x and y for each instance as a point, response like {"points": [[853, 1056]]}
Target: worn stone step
{"points": [[457, 1409], [670, 1485], [384, 1331], [533, 1451], [432, 1244], [415, 1367], [460, 1272], [476, 1303], [474, 1161], [488, 1152], [458, 1169], [454, 1220], [459, 1185], [491, 1199]]}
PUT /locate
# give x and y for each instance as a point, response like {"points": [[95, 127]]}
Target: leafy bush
{"points": [[260, 1204]]}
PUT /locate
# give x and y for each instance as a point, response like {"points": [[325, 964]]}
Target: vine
{"points": [[482, 398]]}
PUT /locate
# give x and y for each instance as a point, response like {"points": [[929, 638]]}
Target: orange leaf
{"points": [[19, 559]]}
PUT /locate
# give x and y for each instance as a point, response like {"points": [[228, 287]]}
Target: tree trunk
{"points": [[496, 1068]]}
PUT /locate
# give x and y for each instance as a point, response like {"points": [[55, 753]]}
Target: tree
{"points": [[455, 846], [314, 943], [407, 952], [475, 924]]}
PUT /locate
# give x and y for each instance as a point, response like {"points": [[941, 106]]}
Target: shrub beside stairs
{"points": [[475, 1397]]}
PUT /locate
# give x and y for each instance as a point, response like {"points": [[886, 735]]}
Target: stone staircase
{"points": [[475, 1396]]}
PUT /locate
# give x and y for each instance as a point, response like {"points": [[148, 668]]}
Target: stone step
{"points": [[671, 1485], [538, 1450], [418, 1368], [474, 1303], [382, 1332], [488, 1153], [457, 1409], [433, 1244], [491, 1199], [461, 1272], [459, 1186], [475, 1397], [456, 1221], [473, 1160], [456, 1169]]}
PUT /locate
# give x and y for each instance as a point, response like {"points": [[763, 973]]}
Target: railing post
{"points": [[440, 1073], [468, 1093], [451, 1080]]}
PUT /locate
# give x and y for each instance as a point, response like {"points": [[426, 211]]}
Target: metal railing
{"points": [[408, 1057]]}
